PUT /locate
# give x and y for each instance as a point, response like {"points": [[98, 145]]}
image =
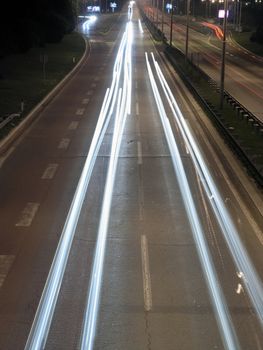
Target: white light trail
{"points": [[44, 314], [123, 106], [140, 26], [252, 282], [86, 24], [224, 321]]}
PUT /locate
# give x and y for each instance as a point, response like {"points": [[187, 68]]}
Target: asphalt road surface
{"points": [[243, 69], [175, 269]]}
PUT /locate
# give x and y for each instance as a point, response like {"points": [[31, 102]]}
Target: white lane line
{"points": [[85, 101], [239, 288], [4, 158], [64, 143], [137, 108], [96, 78], [5, 264], [80, 111], [93, 85], [73, 125], [139, 148], [136, 84], [146, 274], [28, 214], [90, 92], [50, 171]]}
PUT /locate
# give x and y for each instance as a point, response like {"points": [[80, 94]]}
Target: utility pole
{"points": [[171, 24], [239, 16], [187, 28], [162, 14], [157, 10], [222, 81]]}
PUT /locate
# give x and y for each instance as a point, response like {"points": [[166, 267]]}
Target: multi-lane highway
{"points": [[243, 69], [152, 227]]}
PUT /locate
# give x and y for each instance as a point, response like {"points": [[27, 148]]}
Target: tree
{"points": [[33, 23]]}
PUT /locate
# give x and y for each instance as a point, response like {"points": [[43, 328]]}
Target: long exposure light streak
{"points": [[91, 311], [44, 314], [250, 278], [223, 318], [140, 26]]}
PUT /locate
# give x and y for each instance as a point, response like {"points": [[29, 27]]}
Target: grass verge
{"points": [[243, 39], [245, 139], [31, 76], [245, 136]]}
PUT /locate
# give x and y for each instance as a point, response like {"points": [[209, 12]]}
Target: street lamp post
{"points": [[187, 28], [171, 24], [157, 10], [222, 81], [239, 16], [162, 14]]}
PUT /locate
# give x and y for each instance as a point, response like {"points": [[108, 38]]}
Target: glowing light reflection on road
{"points": [[224, 321], [123, 106], [87, 23], [250, 278], [140, 26], [43, 318]]}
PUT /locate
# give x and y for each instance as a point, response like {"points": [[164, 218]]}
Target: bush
{"points": [[258, 35]]}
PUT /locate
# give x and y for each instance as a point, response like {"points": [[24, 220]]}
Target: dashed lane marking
{"points": [[50, 171], [146, 274], [6, 262], [139, 148], [137, 108], [28, 214], [85, 101], [73, 125], [80, 111], [64, 143]]}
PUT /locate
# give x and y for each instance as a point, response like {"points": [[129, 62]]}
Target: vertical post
{"points": [[157, 9], [240, 12], [148, 8], [171, 25], [162, 14], [222, 81], [187, 28]]}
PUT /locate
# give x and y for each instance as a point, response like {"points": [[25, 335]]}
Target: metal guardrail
{"points": [[253, 170], [242, 111], [8, 119], [239, 108]]}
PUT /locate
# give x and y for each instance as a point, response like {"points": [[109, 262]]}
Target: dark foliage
{"points": [[258, 35], [29, 23]]}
